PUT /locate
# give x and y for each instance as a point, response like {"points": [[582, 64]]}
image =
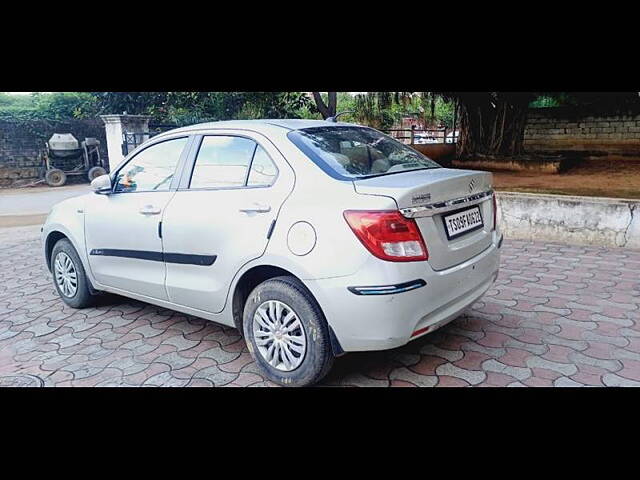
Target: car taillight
{"points": [[495, 211], [388, 235]]}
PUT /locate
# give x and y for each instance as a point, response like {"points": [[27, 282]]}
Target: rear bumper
{"points": [[385, 321]]}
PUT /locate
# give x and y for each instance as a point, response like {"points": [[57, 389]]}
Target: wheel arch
{"points": [[255, 276], [52, 238]]}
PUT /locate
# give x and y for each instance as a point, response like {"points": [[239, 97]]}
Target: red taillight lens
{"points": [[388, 235], [495, 211]]}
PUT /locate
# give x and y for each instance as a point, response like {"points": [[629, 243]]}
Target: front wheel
{"points": [[287, 333], [68, 276]]}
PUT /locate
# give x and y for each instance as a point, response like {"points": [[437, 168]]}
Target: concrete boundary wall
{"points": [[588, 130], [606, 222], [22, 145]]}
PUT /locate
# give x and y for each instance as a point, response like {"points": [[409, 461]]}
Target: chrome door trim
{"points": [[435, 208]]}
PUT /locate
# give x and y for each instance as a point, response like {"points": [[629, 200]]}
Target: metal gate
{"points": [[131, 140]]}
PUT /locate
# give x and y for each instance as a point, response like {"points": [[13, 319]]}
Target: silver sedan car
{"points": [[313, 238]]}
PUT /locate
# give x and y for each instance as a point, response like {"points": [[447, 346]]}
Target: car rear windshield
{"points": [[357, 152]]}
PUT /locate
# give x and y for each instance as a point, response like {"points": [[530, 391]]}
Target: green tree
{"points": [[133, 103], [191, 107], [52, 106], [489, 122], [385, 109], [63, 105], [16, 106]]}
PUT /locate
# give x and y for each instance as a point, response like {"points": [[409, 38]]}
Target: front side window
{"points": [[152, 169], [224, 161], [357, 152]]}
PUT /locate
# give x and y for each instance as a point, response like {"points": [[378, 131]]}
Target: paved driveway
{"points": [[558, 315]]}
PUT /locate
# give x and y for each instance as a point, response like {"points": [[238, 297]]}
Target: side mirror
{"points": [[101, 184]]}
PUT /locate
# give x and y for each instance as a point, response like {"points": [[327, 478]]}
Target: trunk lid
{"points": [[436, 186]]}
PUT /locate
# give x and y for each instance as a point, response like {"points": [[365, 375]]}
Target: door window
{"points": [[152, 169], [225, 161], [222, 162]]}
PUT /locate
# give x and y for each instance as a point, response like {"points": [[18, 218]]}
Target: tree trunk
{"points": [[492, 124], [333, 103], [326, 110]]}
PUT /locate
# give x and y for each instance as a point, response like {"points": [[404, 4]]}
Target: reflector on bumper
{"points": [[388, 289]]}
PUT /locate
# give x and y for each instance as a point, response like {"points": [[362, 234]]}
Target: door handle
{"points": [[150, 210], [256, 208]]}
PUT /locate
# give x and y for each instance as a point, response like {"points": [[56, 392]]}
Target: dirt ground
{"points": [[602, 177]]}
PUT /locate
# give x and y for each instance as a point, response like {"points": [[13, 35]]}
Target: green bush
{"points": [[51, 106]]}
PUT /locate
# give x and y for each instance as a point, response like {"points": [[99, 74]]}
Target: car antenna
{"points": [[334, 119]]}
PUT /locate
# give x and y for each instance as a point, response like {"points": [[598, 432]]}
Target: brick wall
{"points": [[591, 131], [22, 145]]}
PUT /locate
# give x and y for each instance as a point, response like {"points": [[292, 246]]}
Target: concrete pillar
{"points": [[115, 126]]}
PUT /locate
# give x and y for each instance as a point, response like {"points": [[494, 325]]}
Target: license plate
{"points": [[463, 222]]}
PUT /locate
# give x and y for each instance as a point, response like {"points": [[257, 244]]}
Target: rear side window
{"points": [[263, 172], [225, 161], [152, 169], [222, 162]]}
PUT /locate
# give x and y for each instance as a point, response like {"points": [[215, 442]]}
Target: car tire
{"points": [[308, 323], [76, 295]]}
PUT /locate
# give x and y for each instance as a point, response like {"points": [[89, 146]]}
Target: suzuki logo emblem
{"points": [[472, 185]]}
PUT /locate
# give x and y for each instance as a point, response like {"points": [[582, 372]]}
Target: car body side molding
{"points": [[182, 258]]}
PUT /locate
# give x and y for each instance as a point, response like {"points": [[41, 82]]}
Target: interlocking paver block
{"points": [[359, 380], [594, 337], [558, 315], [180, 342], [613, 380], [219, 355], [533, 348], [413, 378], [215, 376], [565, 369], [451, 355], [610, 365], [165, 380], [566, 382], [521, 373], [560, 340], [408, 359], [623, 322], [472, 376]]}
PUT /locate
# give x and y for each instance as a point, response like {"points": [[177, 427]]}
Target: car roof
{"points": [[263, 124]]}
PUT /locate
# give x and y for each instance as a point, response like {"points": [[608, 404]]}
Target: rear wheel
{"points": [[55, 177], [287, 333], [69, 277]]}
